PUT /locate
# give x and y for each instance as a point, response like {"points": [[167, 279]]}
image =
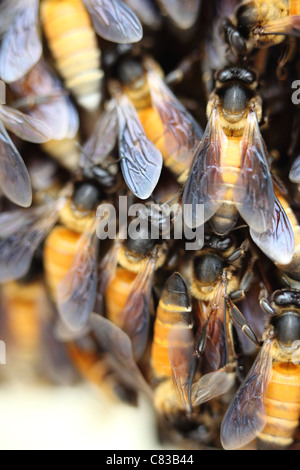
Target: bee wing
{"points": [[180, 349], [14, 177], [141, 161], [148, 13], [26, 127], [246, 416], [22, 232], [182, 134], [278, 242], [183, 13], [21, 46], [205, 183], [116, 342], [135, 316], [76, 293], [295, 171], [114, 21], [107, 271], [253, 193], [103, 139], [289, 25], [211, 386]]}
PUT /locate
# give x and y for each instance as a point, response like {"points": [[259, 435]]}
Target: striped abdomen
{"points": [[73, 43], [174, 309], [60, 248], [226, 216], [282, 406], [117, 294]]}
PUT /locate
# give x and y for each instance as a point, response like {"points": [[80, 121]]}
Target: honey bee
{"points": [[127, 275], [184, 14], [70, 254], [42, 96], [68, 27], [267, 405], [172, 348], [261, 23], [218, 279], [230, 175], [151, 125]]}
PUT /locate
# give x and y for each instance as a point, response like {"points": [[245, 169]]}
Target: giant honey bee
{"points": [[151, 125], [127, 274], [230, 175], [71, 38], [261, 23], [73, 258], [267, 405], [42, 96]]}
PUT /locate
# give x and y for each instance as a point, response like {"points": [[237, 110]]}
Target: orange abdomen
{"points": [[294, 7], [166, 318], [23, 305], [59, 251], [117, 294], [73, 43], [282, 406]]}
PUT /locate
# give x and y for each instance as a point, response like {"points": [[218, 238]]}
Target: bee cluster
{"points": [[172, 106]]}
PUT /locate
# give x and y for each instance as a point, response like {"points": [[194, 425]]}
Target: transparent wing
{"points": [[184, 13], [21, 233], [14, 178], [76, 293], [103, 139], [181, 348], [253, 193], [26, 127], [278, 242], [141, 161], [295, 171], [211, 386], [182, 134], [147, 11], [115, 21], [135, 316], [113, 340], [205, 183], [21, 46], [246, 416]]}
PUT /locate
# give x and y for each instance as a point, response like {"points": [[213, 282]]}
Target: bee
{"points": [[184, 14], [230, 175], [150, 124], [172, 348], [261, 23], [267, 405], [68, 27], [127, 275], [40, 94], [218, 279], [71, 249]]}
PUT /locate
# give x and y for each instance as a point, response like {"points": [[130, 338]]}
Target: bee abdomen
{"points": [[282, 406], [73, 43], [59, 252], [117, 294], [174, 309]]}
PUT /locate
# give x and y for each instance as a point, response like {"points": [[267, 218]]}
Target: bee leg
{"points": [[240, 252], [265, 305], [245, 283], [233, 38], [183, 69], [239, 319]]}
